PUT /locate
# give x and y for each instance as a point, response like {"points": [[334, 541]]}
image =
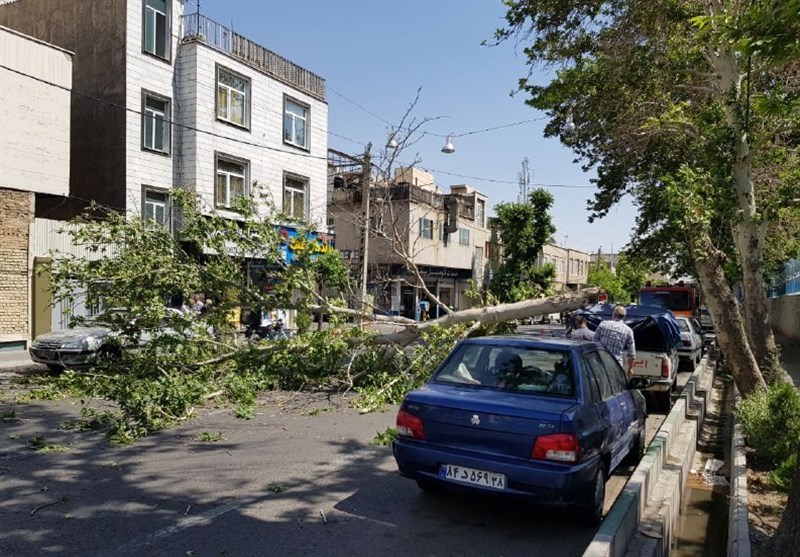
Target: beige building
{"points": [[35, 79], [572, 266], [444, 234]]}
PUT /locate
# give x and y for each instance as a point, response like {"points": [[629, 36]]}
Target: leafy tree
{"points": [[524, 228], [668, 108], [601, 275]]}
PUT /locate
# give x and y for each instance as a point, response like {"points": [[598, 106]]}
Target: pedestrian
{"points": [[580, 331], [198, 305], [616, 337]]}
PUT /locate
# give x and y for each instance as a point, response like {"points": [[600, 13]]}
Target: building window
{"points": [[295, 194], [426, 229], [155, 123], [463, 236], [295, 123], [233, 98], [231, 181], [480, 213], [156, 208], [156, 28], [443, 235]]}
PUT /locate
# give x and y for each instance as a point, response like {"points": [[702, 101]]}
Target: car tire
{"points": [[429, 487], [636, 453], [593, 513], [55, 368]]}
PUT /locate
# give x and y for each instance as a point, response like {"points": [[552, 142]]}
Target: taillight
{"points": [[687, 343], [408, 425], [561, 447], [665, 367]]}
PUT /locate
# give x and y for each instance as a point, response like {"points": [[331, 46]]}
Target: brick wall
{"points": [[16, 215]]}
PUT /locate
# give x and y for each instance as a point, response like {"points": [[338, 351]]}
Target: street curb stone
{"points": [[738, 513], [657, 480]]}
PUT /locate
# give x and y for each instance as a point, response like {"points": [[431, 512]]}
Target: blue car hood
{"points": [[637, 318]]}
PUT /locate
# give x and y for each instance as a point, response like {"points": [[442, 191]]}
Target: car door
{"points": [[609, 410], [623, 395]]}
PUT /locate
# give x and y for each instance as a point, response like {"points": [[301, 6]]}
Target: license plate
{"points": [[471, 476]]}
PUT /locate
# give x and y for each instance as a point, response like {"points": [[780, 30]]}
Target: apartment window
{"points": [[426, 229], [443, 236], [463, 236], [295, 123], [231, 180], [233, 98], [155, 123], [480, 213], [156, 28], [156, 208], [295, 194]]}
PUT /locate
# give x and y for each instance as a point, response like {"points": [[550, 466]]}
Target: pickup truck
{"points": [[657, 338]]}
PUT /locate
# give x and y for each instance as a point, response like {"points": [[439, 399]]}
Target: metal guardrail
{"points": [[219, 37]]}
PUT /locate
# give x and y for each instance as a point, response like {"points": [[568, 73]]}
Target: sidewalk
{"points": [[15, 360]]}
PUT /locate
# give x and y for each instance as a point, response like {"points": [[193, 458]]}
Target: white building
{"points": [[35, 78], [165, 99]]}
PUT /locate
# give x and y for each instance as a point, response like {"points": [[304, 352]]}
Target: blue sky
{"points": [[377, 53]]}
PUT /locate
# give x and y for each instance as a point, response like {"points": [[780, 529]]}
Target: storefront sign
{"points": [[433, 272]]}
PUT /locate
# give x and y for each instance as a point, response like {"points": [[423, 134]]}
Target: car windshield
{"points": [[680, 300], [510, 368]]}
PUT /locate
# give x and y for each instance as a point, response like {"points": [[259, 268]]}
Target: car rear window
{"points": [[510, 368], [683, 325]]}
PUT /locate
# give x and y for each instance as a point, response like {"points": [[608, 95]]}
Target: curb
{"points": [[738, 513], [623, 521]]}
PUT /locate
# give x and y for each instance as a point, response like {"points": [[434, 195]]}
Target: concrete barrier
{"points": [[645, 514], [738, 513]]}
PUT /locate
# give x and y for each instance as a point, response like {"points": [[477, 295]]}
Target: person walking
{"points": [[581, 331], [616, 337]]}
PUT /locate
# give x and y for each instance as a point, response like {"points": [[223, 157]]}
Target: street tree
{"points": [[601, 276], [667, 109], [524, 228]]}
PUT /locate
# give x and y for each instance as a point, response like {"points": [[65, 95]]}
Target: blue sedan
{"points": [[543, 419]]}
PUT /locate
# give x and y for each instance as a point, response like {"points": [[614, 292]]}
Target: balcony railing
{"points": [[219, 37]]}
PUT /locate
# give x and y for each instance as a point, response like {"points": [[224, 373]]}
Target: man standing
{"points": [[581, 331], [616, 337]]}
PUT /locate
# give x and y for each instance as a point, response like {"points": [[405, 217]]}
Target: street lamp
{"points": [[448, 145]]}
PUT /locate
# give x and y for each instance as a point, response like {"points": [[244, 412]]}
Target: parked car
{"points": [[657, 338], [705, 320], [690, 350], [543, 419], [81, 346]]}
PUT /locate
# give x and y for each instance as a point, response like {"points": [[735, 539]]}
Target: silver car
{"points": [[72, 348]]}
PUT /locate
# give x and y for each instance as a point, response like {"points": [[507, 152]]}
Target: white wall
{"points": [[34, 116]]}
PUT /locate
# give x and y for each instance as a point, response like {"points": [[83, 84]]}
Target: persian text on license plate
{"points": [[471, 476]]}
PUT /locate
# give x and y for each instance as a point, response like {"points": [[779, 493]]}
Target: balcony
{"points": [[197, 27]]}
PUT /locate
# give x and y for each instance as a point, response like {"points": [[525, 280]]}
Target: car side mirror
{"points": [[639, 383]]}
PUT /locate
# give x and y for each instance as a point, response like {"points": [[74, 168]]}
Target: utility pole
{"points": [[366, 177]]}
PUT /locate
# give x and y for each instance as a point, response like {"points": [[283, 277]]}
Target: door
{"points": [[610, 411], [623, 394]]}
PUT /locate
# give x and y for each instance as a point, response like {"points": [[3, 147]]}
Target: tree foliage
{"points": [[524, 228], [601, 275]]}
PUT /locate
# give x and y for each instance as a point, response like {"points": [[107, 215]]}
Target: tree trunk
{"points": [[786, 539], [728, 322], [749, 239]]}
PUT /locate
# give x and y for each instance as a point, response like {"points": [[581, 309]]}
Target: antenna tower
{"points": [[524, 181]]}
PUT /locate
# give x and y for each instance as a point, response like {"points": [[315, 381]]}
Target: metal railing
{"points": [[219, 37]]}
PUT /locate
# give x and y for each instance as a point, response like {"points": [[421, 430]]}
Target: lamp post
{"points": [[366, 175]]}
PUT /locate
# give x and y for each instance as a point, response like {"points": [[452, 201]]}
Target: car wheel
{"points": [[430, 487], [593, 513], [55, 368], [637, 450]]}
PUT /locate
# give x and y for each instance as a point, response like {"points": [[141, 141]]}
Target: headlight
{"points": [[75, 345], [92, 343]]}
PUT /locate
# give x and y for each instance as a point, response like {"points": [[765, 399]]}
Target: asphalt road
{"points": [[300, 478]]}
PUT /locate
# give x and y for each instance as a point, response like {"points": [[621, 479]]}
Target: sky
{"points": [[377, 53]]}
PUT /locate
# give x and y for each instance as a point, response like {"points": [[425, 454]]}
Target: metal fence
{"points": [[789, 282]]}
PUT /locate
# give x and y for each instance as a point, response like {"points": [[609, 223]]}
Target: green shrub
{"points": [[782, 476], [770, 421]]}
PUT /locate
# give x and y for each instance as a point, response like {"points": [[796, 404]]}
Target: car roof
{"points": [[526, 341]]}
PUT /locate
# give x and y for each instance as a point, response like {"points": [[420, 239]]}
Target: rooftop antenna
{"points": [[524, 181]]}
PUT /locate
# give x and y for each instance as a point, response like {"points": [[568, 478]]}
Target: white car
{"points": [[690, 350]]}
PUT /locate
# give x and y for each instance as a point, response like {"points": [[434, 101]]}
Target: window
{"points": [[294, 196], [156, 208], [233, 98], [615, 374], [599, 373], [480, 213], [426, 229], [443, 236], [295, 123], [156, 29], [231, 181], [463, 236], [155, 124]]}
